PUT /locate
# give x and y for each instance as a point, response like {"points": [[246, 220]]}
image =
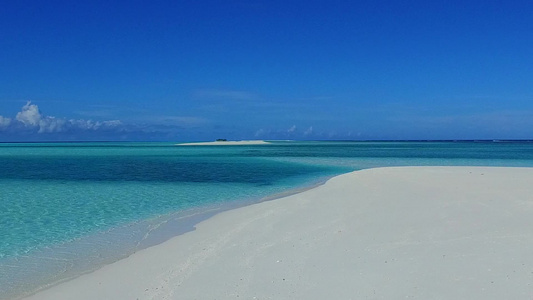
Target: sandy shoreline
{"points": [[226, 143], [386, 233]]}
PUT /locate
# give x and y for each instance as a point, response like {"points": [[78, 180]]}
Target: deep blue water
{"points": [[60, 196]]}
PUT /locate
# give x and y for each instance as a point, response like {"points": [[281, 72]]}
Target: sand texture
{"points": [[386, 233]]}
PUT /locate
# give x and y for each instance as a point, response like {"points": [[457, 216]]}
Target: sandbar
{"points": [[384, 233], [226, 143]]}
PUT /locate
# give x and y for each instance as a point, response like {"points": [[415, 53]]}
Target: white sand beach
{"points": [[226, 143], [386, 233]]}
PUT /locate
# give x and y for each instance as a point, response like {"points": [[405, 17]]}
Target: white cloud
{"points": [[292, 129], [94, 125], [308, 131], [30, 115], [112, 123], [4, 122], [31, 118], [51, 124]]}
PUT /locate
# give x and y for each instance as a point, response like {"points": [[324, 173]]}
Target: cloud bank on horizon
{"points": [[31, 125], [31, 121]]}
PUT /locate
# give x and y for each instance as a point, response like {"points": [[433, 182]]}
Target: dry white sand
{"points": [[389, 233], [226, 143]]}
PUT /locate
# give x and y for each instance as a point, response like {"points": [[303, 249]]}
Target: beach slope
{"points": [[386, 233]]}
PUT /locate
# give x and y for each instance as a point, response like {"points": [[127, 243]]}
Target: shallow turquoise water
{"points": [[83, 197]]}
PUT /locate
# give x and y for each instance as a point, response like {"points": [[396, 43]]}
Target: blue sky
{"points": [[200, 70]]}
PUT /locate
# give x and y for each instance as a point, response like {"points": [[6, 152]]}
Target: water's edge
{"points": [[151, 232]]}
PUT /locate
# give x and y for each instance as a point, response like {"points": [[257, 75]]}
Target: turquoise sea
{"points": [[69, 208]]}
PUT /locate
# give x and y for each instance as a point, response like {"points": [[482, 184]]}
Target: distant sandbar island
{"points": [[223, 142]]}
